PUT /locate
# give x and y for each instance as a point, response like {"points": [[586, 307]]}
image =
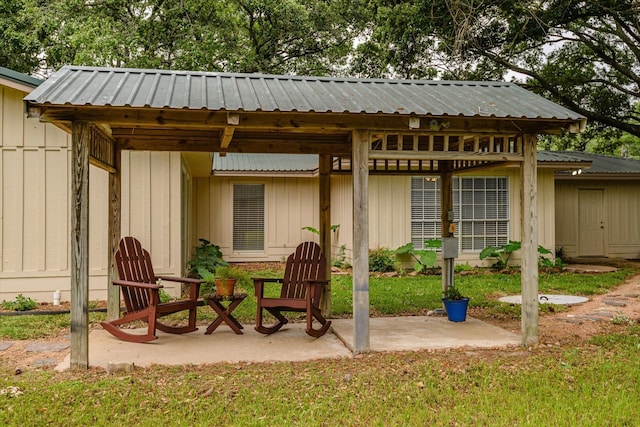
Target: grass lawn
{"points": [[592, 383]]}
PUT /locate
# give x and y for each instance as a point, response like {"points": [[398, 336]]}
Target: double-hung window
{"points": [[481, 208], [248, 217]]}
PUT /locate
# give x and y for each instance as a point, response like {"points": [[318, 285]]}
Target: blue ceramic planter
{"points": [[456, 309]]}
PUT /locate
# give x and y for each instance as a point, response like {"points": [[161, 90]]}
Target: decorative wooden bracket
{"points": [[233, 119], [101, 149]]}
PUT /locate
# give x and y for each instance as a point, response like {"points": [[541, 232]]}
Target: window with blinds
{"points": [[248, 217], [480, 204]]}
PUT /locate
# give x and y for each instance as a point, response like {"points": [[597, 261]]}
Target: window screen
{"points": [[248, 217]]}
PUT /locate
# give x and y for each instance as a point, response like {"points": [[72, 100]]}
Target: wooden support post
{"points": [[446, 205], [113, 292], [529, 277], [80, 139], [325, 226], [360, 169]]}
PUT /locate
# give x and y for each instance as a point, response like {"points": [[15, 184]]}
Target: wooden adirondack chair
{"points": [[304, 277], [141, 295]]}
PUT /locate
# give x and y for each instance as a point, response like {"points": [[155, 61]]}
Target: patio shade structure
{"points": [[355, 126]]}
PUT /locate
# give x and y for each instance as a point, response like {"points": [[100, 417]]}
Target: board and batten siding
{"points": [[390, 211], [290, 204], [35, 202], [621, 208]]}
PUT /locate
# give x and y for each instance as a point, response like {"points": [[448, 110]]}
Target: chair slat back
{"points": [[134, 265], [307, 262]]}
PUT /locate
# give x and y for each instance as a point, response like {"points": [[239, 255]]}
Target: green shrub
{"points": [[207, 256], [424, 258], [381, 260], [340, 259], [164, 296], [21, 303]]}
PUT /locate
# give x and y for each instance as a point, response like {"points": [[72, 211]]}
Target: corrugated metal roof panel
{"points": [[243, 162], [74, 85], [600, 164], [19, 77], [246, 162]]}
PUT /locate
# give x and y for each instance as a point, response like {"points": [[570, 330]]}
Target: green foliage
{"points": [[501, 253], [340, 259], [381, 260], [207, 257], [462, 267], [164, 296], [424, 258], [231, 272], [546, 262], [452, 293], [314, 230], [21, 303]]}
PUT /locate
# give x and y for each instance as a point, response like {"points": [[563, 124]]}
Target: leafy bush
{"points": [[21, 303], [502, 254], [381, 260], [165, 297], [207, 256], [424, 258], [340, 259], [544, 262]]}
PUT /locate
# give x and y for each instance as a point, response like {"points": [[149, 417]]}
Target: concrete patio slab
{"points": [[427, 333], [292, 344]]}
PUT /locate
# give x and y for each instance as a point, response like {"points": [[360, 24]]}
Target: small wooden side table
{"points": [[224, 313]]}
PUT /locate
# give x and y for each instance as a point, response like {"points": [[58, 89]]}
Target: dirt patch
{"points": [[602, 314]]}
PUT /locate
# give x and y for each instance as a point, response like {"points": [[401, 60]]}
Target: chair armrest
{"points": [[258, 284], [187, 280], [136, 284], [194, 284], [267, 279]]}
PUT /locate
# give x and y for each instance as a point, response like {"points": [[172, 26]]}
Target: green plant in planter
{"points": [[455, 304], [452, 293], [424, 258], [225, 279]]}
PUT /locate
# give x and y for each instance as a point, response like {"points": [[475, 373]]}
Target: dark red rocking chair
{"points": [[304, 277], [141, 295]]}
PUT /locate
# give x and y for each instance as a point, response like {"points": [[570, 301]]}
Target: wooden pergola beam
{"points": [[291, 121]]}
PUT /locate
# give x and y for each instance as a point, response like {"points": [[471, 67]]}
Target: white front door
{"points": [[591, 222]]}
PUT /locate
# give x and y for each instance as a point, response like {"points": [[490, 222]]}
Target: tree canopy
{"points": [[582, 54]]}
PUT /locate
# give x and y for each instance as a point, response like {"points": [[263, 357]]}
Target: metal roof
{"points": [[600, 164], [17, 77], [273, 163], [137, 88]]}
